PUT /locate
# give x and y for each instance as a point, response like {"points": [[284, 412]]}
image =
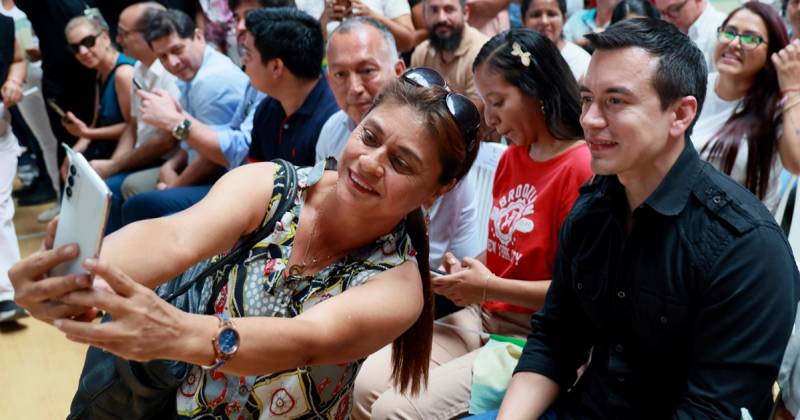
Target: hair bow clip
{"points": [[524, 56]]}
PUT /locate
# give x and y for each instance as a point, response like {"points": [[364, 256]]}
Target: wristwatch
{"points": [[225, 342], [181, 130]]}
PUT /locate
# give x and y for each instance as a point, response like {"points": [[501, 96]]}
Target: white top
{"points": [[715, 113], [577, 59], [453, 217], [153, 77], [704, 32], [14, 12], [391, 9]]}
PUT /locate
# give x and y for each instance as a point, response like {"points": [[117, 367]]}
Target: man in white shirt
{"points": [[361, 58], [696, 18], [141, 145]]}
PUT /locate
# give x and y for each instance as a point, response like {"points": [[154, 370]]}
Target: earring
{"points": [[542, 104]]}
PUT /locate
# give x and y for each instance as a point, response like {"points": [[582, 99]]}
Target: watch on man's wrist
{"points": [[181, 131], [225, 342]]}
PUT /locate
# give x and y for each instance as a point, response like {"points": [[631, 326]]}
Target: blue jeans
{"points": [[153, 204], [115, 212], [491, 415]]}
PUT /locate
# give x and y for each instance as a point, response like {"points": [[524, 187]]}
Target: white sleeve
{"points": [[393, 9]]}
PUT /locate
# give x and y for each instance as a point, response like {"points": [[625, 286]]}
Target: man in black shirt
{"points": [[672, 281]]}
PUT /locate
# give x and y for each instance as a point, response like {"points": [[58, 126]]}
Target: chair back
{"points": [[482, 176]]}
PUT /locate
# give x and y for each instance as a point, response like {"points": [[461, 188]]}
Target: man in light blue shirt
{"points": [[212, 120], [361, 59]]}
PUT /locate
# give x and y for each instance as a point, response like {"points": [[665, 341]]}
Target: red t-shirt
{"points": [[530, 200]]}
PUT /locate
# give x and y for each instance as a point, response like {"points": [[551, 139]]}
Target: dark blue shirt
{"points": [[687, 312], [292, 138]]}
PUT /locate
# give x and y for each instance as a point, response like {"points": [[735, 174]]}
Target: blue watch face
{"points": [[228, 340]]}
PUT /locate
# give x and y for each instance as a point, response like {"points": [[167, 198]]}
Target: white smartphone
{"points": [[84, 212]]}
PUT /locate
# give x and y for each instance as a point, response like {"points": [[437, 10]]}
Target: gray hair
{"points": [[356, 22]]}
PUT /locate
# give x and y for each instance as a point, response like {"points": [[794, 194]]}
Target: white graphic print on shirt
{"points": [[509, 215]]}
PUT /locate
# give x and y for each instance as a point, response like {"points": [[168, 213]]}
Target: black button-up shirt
{"points": [[685, 315]]}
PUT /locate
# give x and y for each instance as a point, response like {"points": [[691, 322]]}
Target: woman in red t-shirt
{"points": [[531, 98]]}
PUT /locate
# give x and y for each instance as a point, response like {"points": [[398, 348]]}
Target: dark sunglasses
{"points": [[88, 41], [460, 107]]}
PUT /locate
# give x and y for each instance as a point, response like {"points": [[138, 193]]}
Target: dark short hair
{"points": [[463, 3], [681, 69], [167, 22], [291, 35], [638, 7], [526, 4], [232, 4], [547, 77]]}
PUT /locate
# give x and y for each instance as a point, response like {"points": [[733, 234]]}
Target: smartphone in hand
{"points": [[52, 104], [84, 212]]}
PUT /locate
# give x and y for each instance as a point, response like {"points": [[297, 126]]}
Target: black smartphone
{"points": [[436, 272]]}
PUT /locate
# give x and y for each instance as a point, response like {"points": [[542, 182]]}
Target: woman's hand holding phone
{"points": [[38, 292]]}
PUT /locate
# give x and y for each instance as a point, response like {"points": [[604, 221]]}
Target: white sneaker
{"points": [[49, 214]]}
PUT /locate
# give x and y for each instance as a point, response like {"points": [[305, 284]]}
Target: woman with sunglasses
{"points": [[748, 127], [89, 41], [531, 98], [547, 17], [344, 273]]}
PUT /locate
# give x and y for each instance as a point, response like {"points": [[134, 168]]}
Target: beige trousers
{"points": [[450, 382]]}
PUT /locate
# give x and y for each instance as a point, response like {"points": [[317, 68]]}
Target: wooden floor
{"points": [[38, 366]]}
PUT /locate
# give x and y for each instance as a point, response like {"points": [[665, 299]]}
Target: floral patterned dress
{"points": [[261, 286]]}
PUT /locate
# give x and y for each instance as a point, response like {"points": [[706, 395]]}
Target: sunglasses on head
{"points": [[88, 41], [459, 106]]}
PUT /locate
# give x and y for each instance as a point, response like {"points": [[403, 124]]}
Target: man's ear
{"points": [[442, 190], [466, 12], [198, 35], [399, 67], [685, 110], [276, 67]]}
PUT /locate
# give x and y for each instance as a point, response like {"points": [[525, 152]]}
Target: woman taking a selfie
{"points": [[344, 272]]}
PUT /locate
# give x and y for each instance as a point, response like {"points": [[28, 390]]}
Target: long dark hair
{"points": [[547, 77], [411, 351], [754, 120]]}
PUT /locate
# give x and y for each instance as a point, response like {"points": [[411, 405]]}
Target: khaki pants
{"points": [[450, 382]]}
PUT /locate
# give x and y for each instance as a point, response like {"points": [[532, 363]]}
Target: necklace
{"points": [[300, 268]]}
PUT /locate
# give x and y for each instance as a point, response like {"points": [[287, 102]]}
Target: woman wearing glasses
{"points": [[344, 273], [89, 41], [531, 98], [748, 127]]}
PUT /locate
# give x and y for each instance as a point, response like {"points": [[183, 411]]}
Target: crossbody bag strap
{"points": [[290, 192]]}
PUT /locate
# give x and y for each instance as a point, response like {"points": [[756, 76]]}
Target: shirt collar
{"points": [[673, 192], [702, 22]]}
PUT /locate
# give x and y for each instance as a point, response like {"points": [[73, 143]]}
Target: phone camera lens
{"points": [[69, 192], [72, 170], [71, 181]]}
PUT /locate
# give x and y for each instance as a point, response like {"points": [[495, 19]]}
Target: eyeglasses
{"points": [[674, 10], [88, 41], [748, 40], [459, 106]]}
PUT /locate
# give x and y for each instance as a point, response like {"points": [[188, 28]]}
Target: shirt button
{"points": [[579, 286], [618, 348], [717, 199], [621, 294], [663, 319]]}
